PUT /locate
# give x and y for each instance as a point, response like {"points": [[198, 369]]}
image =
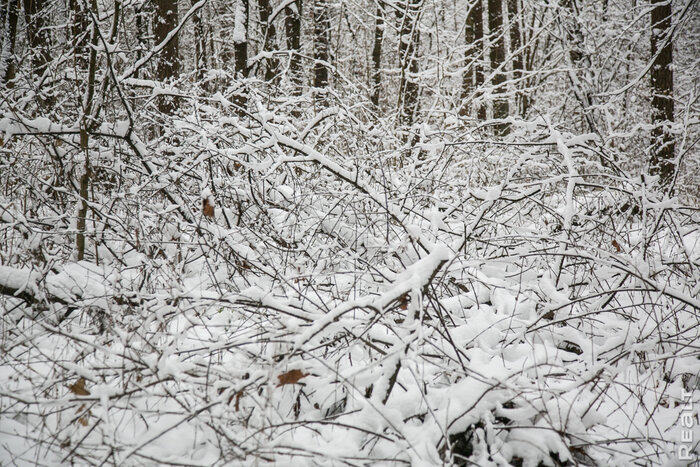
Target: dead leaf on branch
{"points": [[84, 419], [290, 377], [404, 300], [617, 246], [207, 208], [237, 396], [78, 388], [237, 405]]}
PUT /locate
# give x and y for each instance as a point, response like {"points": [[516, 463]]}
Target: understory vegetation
{"points": [[218, 269]]}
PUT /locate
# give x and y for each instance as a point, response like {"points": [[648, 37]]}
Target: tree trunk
{"points": [[37, 35], [321, 29], [662, 158], [292, 26], [200, 44], [141, 30], [166, 19], [268, 33], [517, 54], [377, 55], [473, 77], [78, 29], [240, 51], [409, 39], [9, 36], [497, 56]]}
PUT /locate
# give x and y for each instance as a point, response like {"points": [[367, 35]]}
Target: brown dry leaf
{"points": [[1, 142], [58, 142], [290, 377], [404, 300], [237, 405], [617, 246], [78, 388], [84, 419], [207, 208]]}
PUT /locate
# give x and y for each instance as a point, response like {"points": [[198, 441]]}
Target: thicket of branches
{"points": [[352, 233]]}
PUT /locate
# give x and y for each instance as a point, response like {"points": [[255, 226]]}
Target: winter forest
{"points": [[350, 232]]}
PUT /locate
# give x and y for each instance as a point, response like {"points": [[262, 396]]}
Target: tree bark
{"points": [[377, 56], [268, 33], [168, 66], [200, 44], [497, 57], [321, 29], [473, 77], [38, 37], [10, 9], [662, 158], [516, 53], [240, 51], [409, 40], [292, 26], [79, 28], [141, 30]]}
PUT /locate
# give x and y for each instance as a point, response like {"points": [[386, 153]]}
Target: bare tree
{"points": [[168, 65], [377, 54], [473, 77], [10, 12], [409, 39], [321, 30], [240, 49], [79, 27], [662, 158], [200, 44], [292, 26], [517, 61], [38, 37], [497, 55], [268, 33]]}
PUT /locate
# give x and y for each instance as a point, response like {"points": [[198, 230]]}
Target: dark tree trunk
{"points": [[292, 26], [268, 33], [409, 39], [662, 158], [473, 77], [517, 54], [377, 56], [240, 50], [166, 19], [497, 56], [321, 30], [79, 29], [141, 29], [10, 13], [37, 35], [200, 44]]}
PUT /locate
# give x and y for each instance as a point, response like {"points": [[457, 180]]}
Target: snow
{"points": [[18, 280], [464, 295]]}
